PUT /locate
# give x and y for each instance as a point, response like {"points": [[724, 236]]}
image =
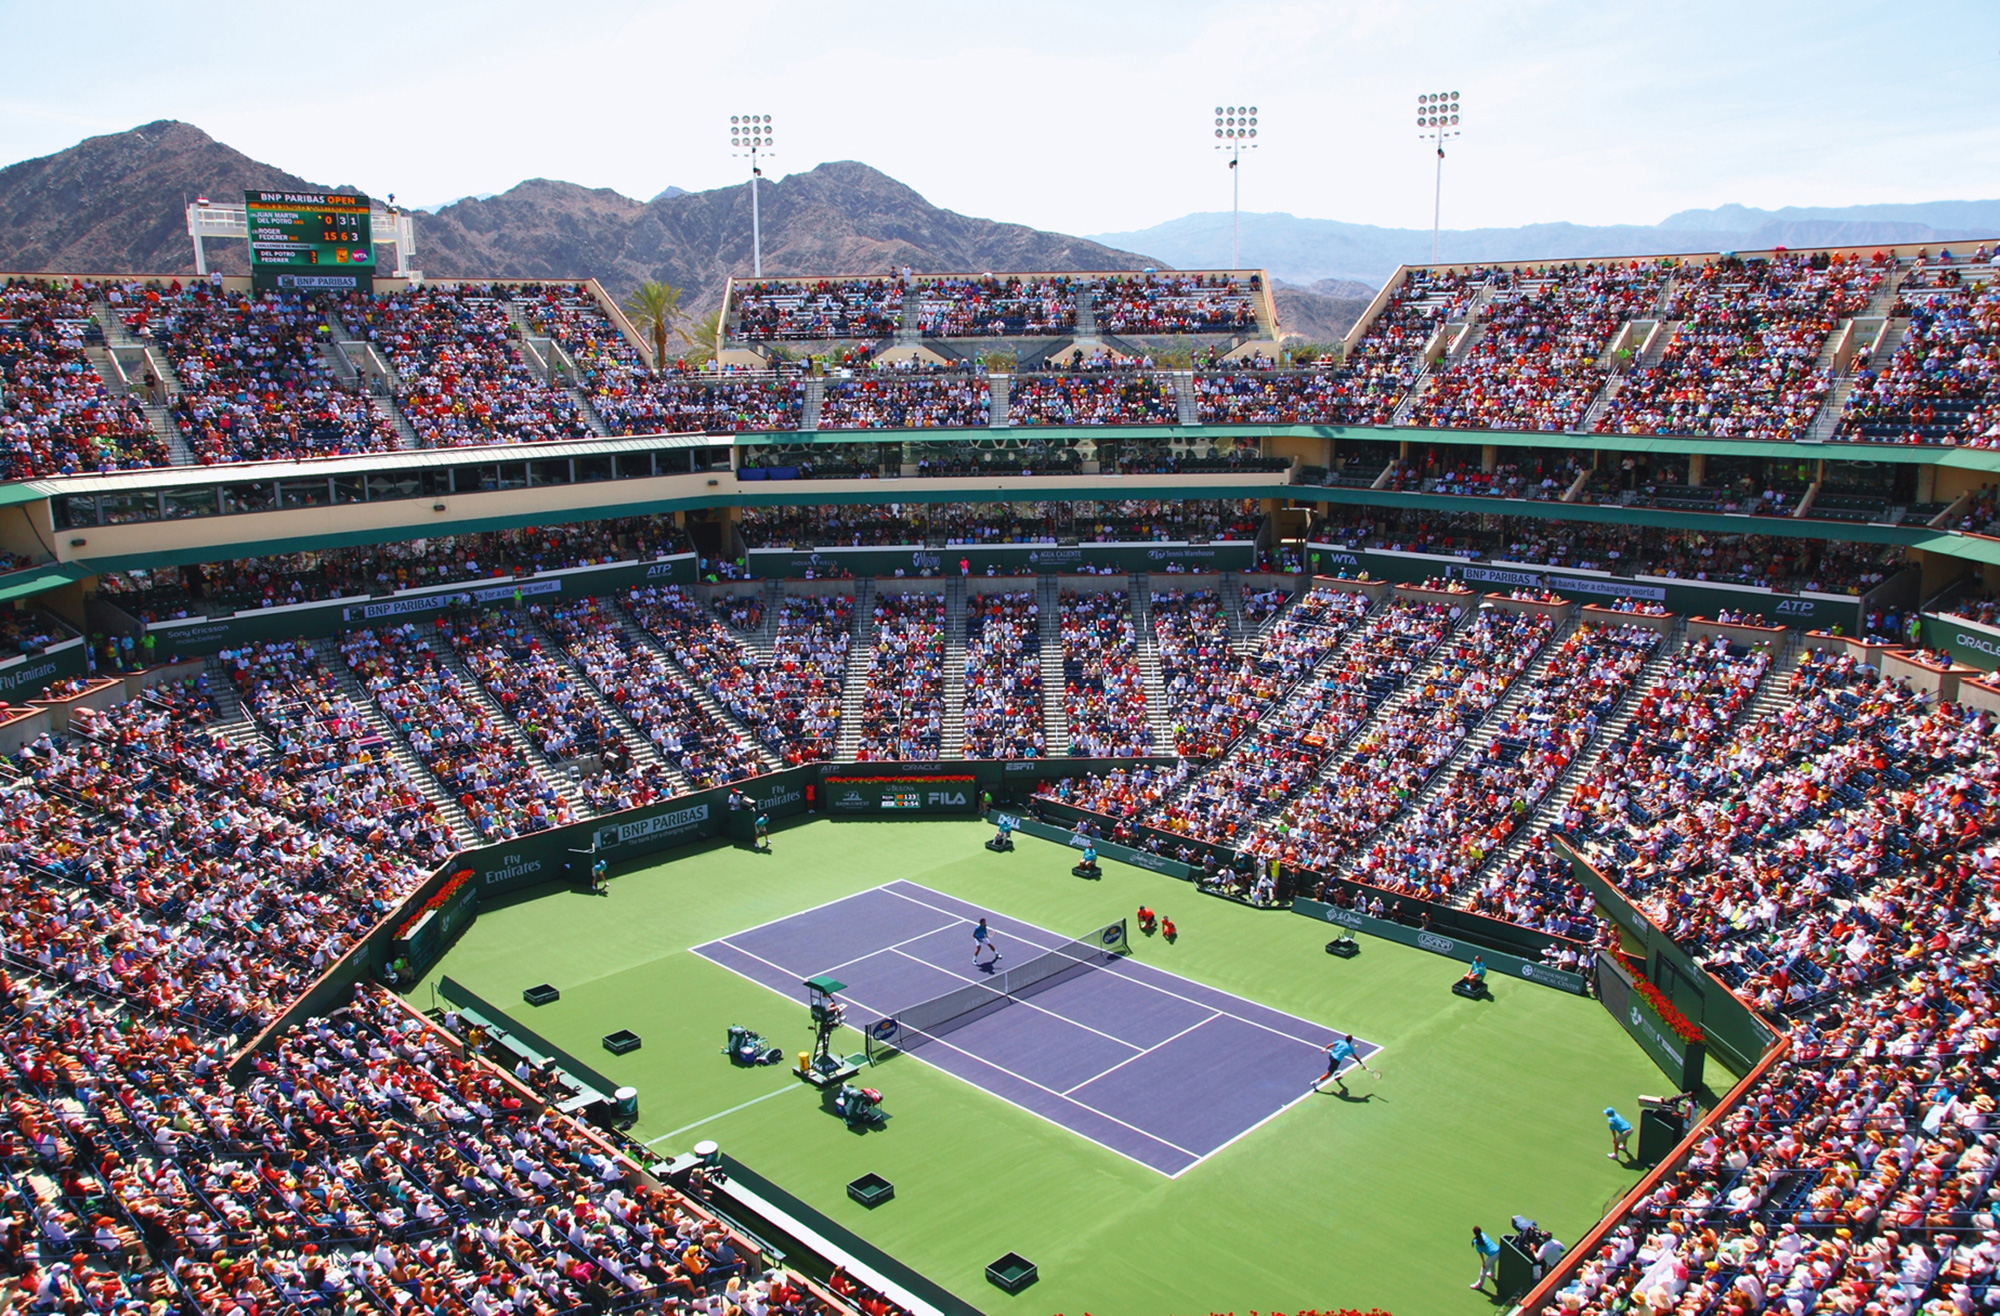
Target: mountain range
{"points": [[1304, 251], [114, 204]]}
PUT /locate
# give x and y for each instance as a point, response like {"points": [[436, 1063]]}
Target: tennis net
{"points": [[929, 1020]]}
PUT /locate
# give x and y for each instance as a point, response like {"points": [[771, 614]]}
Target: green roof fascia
{"points": [[1977, 459], [1712, 523], [36, 580], [795, 493], [1973, 548], [13, 495]]}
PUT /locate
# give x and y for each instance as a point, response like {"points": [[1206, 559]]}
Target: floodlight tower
{"points": [[1235, 132], [750, 136], [1437, 119]]}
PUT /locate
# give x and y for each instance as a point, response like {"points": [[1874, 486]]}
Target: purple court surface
{"points": [[1146, 1063]]}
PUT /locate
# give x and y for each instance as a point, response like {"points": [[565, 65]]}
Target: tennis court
{"points": [[1148, 1064]]}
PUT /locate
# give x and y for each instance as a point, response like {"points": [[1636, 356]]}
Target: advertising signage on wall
{"points": [[189, 636], [1821, 612], [919, 560], [889, 795]]}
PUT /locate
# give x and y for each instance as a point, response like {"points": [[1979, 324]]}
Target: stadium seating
{"points": [[1942, 384], [1092, 399], [902, 709], [1543, 348], [1104, 688], [463, 380], [1745, 362], [1003, 677], [57, 416], [253, 384], [900, 400]]}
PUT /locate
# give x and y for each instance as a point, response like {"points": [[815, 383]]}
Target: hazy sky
{"points": [[1083, 117]]}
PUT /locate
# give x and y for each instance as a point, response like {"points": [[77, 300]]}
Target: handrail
{"points": [[1572, 1260]]}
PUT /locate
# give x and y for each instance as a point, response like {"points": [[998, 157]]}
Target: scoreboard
{"points": [[852, 793], [310, 241]]}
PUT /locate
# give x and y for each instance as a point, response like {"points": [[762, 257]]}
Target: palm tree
{"points": [[656, 312], [703, 337]]}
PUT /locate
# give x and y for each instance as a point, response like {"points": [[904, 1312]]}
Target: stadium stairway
{"points": [[1546, 810], [1086, 312], [118, 338], [644, 754], [764, 639], [1337, 654], [953, 735], [1401, 694], [449, 808], [1475, 741], [860, 657], [560, 773], [1139, 594], [1232, 611], [1190, 413], [999, 392], [1055, 718], [809, 405], [692, 683]]}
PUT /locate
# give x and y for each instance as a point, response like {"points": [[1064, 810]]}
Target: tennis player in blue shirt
{"points": [[984, 941], [1338, 1053]]}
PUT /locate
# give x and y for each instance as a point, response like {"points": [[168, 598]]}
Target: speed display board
{"points": [[862, 793], [310, 241]]}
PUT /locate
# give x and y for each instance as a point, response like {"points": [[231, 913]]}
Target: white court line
{"points": [[810, 909], [707, 1119], [1314, 1090], [1109, 1037], [1143, 1054], [976, 1086], [1113, 967], [898, 947], [1197, 1158]]}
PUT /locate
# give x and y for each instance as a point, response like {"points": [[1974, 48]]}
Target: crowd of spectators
{"points": [[904, 400], [814, 309], [1240, 396], [1164, 302], [659, 698], [1002, 711], [1942, 383], [218, 588], [330, 767], [451, 732], [1092, 399], [1399, 750], [1745, 361], [1371, 380], [686, 402], [462, 378], [1833, 864], [1104, 688], [1439, 848], [902, 704], [1288, 744], [57, 416], [553, 706], [990, 307], [1542, 349], [254, 383], [1213, 693]]}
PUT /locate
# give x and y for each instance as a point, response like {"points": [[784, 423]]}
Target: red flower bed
{"points": [[438, 901], [1683, 1027]]}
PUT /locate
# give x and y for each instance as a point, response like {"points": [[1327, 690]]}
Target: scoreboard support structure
{"points": [[393, 227]]}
